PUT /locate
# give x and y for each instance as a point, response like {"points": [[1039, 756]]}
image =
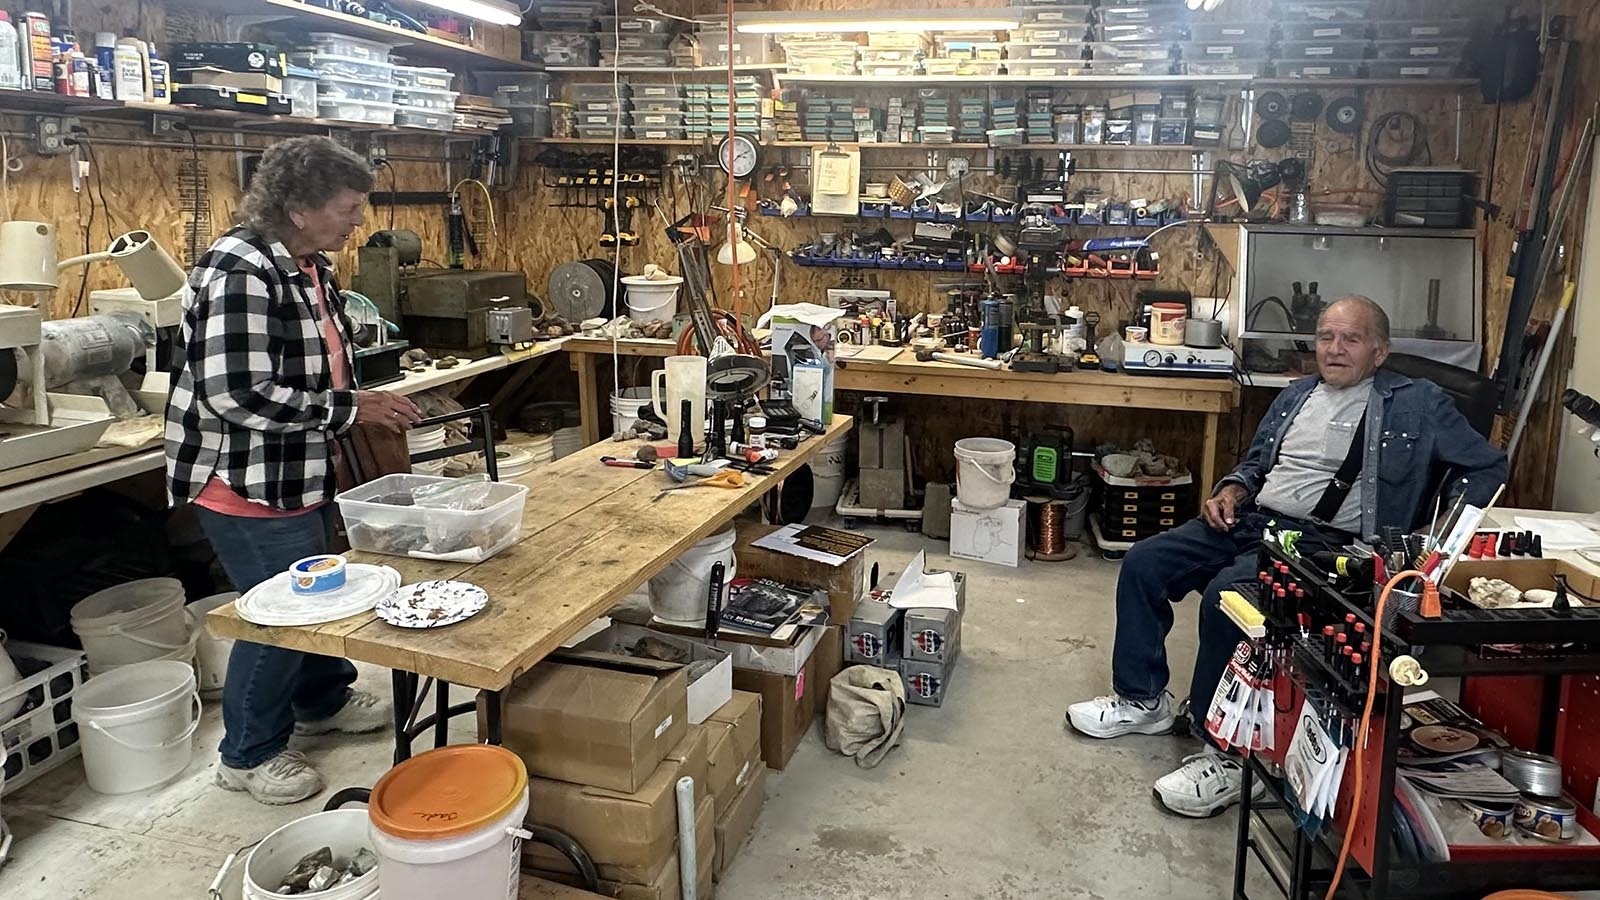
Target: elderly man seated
{"points": [[1340, 455]]}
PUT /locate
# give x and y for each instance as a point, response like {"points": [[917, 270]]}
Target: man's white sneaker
{"points": [[1207, 783], [362, 713], [1113, 716], [285, 778]]}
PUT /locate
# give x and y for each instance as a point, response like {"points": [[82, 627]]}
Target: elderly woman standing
{"points": [[262, 387]]}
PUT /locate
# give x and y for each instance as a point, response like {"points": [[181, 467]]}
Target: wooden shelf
{"points": [[665, 70], [987, 80], [1315, 83], [1016, 148], [416, 47]]}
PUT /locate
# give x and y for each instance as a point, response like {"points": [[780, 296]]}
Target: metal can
{"points": [[1553, 819], [1493, 819]]}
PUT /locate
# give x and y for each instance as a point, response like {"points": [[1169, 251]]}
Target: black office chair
{"points": [[1474, 396]]}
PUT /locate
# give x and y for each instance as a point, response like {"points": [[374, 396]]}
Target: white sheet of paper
{"points": [[917, 589], [1559, 534]]}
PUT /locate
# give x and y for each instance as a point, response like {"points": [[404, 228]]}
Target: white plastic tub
{"points": [[132, 622], [137, 724], [984, 472], [211, 652], [678, 594], [379, 521], [344, 831], [626, 406], [652, 301], [356, 111]]}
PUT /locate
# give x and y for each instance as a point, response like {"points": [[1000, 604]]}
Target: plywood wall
{"points": [[533, 236]]}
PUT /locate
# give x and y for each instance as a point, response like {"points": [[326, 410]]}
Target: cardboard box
{"points": [[733, 748], [1523, 573], [734, 826], [626, 834], [787, 659], [830, 659], [662, 881], [707, 693], [931, 635], [799, 358], [261, 82], [596, 719], [788, 704], [843, 583], [988, 535], [540, 889], [925, 682], [873, 637]]}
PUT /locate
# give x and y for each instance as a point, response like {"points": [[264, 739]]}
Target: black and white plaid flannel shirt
{"points": [[252, 399]]}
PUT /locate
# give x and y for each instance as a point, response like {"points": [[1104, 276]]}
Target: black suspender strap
{"points": [[1344, 479]]}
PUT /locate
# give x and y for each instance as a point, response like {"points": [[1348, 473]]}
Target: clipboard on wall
{"points": [[835, 181]]}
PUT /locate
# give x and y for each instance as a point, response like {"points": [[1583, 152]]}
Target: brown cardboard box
{"points": [[661, 881], [626, 834], [1523, 573], [734, 826], [540, 889], [830, 659], [734, 747], [788, 704], [843, 583], [595, 719]]}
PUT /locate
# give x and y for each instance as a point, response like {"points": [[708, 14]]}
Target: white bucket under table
{"points": [[984, 472], [137, 723], [626, 405], [211, 652], [678, 594], [132, 622], [827, 474]]}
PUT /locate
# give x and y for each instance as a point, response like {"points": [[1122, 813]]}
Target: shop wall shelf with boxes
{"points": [[1528, 674], [1427, 279], [418, 47]]}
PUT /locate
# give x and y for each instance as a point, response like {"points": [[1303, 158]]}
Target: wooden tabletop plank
{"points": [[596, 536]]}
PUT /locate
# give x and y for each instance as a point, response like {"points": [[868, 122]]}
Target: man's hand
{"points": [[386, 410], [1219, 509]]}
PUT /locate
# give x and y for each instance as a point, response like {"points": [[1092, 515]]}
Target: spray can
{"points": [[993, 325], [38, 69]]}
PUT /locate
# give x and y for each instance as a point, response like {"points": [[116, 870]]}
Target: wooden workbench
{"points": [[590, 536], [1211, 397]]}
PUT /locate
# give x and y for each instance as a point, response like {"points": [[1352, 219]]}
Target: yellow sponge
{"points": [[1243, 613]]}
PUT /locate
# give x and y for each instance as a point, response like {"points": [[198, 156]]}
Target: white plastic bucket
{"points": [[133, 622], [211, 652], [626, 405], [137, 722], [652, 301], [678, 594], [344, 831], [984, 472], [827, 474]]}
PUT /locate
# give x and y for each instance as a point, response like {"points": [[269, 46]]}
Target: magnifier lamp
{"points": [[28, 261]]}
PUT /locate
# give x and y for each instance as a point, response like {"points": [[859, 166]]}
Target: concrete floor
{"points": [[986, 797]]}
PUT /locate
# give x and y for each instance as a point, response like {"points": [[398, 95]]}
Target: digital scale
{"points": [[1164, 359]]}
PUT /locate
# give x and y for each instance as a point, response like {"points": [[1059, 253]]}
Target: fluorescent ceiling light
{"points": [[491, 11], [910, 20]]}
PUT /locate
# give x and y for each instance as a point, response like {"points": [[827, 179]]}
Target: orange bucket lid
{"points": [[448, 792]]}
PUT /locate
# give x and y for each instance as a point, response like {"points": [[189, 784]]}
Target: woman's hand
{"points": [[386, 410]]}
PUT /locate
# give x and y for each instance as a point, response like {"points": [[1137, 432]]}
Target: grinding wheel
{"points": [[1345, 115], [583, 290], [1272, 105], [1305, 107], [1273, 133]]}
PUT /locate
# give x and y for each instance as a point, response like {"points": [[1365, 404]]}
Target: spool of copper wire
{"points": [[1047, 519]]}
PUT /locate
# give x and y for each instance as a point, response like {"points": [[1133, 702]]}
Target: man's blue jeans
{"points": [[1161, 571], [268, 689]]}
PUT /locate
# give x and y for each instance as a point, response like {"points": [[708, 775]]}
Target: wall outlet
{"points": [[50, 134], [165, 126]]}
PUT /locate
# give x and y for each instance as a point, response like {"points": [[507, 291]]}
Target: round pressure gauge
{"points": [[1152, 358], [737, 155]]}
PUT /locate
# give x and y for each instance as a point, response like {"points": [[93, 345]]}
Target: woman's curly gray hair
{"points": [[300, 173]]}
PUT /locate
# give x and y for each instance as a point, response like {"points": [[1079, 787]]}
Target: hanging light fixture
{"points": [[495, 12], [849, 21], [736, 250]]}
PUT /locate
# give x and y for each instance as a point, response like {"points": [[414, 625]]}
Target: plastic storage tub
{"points": [[379, 520], [1131, 67], [560, 48], [634, 40], [1046, 68], [345, 45], [349, 67], [1251, 67], [1047, 32], [660, 134], [1204, 50], [1424, 49], [1424, 30], [1419, 68], [433, 101], [649, 91], [1053, 12], [427, 79], [421, 118], [300, 86], [657, 106], [1323, 31], [636, 59], [1320, 68], [521, 88], [1156, 33], [598, 91], [356, 111], [1354, 11], [532, 121], [1322, 49], [1016, 50], [1131, 52], [330, 88], [657, 120], [1136, 14], [1230, 31], [635, 24]]}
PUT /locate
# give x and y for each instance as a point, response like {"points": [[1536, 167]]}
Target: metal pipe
{"points": [[688, 866]]}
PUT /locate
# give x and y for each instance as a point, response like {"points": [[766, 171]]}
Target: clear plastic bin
{"points": [[1158, 32], [351, 67], [1323, 31], [1046, 33], [1320, 68], [655, 91], [636, 59], [1436, 29], [1322, 49], [355, 111], [300, 86], [561, 48], [345, 45], [596, 90], [1420, 68], [634, 40], [1016, 50], [747, 50], [657, 120], [428, 79], [601, 120], [1053, 12], [1230, 31], [1045, 69], [380, 518], [658, 134], [1132, 14], [602, 132], [330, 88], [1203, 50], [522, 88], [1131, 52], [1354, 11], [635, 24], [1425, 49], [421, 118], [611, 106], [1131, 67], [434, 101], [652, 105], [1252, 67]]}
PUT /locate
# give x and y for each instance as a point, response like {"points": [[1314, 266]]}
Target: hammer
{"points": [[935, 356]]}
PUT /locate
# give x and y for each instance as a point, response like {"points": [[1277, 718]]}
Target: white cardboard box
{"points": [[707, 693], [988, 535]]}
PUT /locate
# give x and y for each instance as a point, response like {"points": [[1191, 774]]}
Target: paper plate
{"points": [[432, 604], [274, 602]]}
